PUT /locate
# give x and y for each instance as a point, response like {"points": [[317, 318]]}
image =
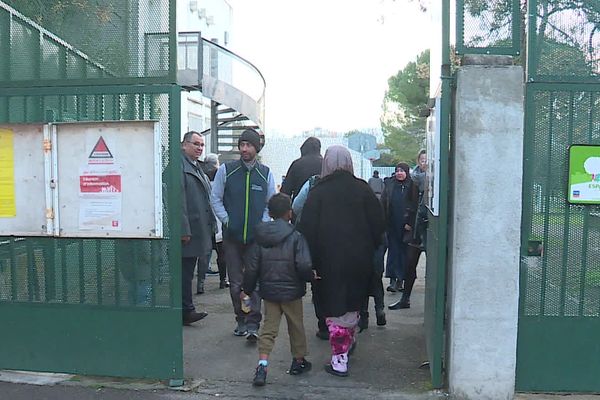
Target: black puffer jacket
{"points": [[280, 261]]}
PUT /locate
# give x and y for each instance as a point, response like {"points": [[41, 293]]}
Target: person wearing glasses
{"points": [[198, 224]]}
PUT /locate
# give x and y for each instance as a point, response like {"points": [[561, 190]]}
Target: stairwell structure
{"points": [[235, 87]]}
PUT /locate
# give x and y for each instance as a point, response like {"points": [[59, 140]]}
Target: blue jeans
{"points": [[396, 258]]}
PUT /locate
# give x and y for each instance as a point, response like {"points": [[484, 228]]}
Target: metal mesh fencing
{"points": [[101, 272], [565, 41], [488, 27], [85, 271], [105, 40], [564, 280]]}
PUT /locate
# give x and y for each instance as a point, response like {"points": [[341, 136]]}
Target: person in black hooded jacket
{"points": [[280, 262], [307, 165], [399, 200]]}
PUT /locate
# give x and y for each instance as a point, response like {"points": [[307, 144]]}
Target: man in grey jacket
{"points": [[197, 222], [376, 184]]}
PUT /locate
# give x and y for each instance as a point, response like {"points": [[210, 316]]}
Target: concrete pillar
{"points": [[485, 231]]}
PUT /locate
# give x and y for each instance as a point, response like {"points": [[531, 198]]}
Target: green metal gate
{"points": [[74, 305], [490, 27], [559, 310], [437, 230]]}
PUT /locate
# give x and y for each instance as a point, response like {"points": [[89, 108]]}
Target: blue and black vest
{"points": [[245, 199]]}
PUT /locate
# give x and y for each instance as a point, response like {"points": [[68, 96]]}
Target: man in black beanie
{"points": [[240, 193]]}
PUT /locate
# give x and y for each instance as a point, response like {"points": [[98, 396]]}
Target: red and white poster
{"points": [[100, 191]]}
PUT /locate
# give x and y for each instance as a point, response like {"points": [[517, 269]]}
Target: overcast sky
{"points": [[326, 62]]}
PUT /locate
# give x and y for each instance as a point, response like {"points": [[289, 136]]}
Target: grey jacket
{"points": [[197, 218], [280, 261]]}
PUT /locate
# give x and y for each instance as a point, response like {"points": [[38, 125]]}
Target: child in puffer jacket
{"points": [[280, 262]]}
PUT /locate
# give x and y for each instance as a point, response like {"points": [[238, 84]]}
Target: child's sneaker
{"points": [[299, 367], [260, 377]]}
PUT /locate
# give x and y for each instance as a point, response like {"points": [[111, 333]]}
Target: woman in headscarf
{"points": [[418, 222], [343, 223], [399, 200]]}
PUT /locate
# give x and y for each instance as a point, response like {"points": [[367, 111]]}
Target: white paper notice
{"points": [[100, 197]]}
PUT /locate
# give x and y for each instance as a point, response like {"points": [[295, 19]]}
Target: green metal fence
{"points": [[560, 274], [133, 285], [488, 27], [560, 297], [559, 311], [564, 41], [93, 306]]}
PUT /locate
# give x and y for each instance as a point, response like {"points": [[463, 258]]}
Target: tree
{"points": [[407, 95]]}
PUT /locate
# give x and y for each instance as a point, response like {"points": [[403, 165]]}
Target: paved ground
{"points": [[220, 365], [386, 361]]}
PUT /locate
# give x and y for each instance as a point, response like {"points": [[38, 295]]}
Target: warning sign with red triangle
{"points": [[101, 152]]}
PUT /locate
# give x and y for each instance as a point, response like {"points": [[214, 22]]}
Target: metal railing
{"points": [[222, 75]]}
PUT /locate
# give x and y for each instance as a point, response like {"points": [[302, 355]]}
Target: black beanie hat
{"points": [[252, 137]]}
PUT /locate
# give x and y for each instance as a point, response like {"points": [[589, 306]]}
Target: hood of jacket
{"points": [[269, 234], [312, 145]]}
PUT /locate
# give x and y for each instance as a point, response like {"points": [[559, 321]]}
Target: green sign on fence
{"points": [[584, 174]]}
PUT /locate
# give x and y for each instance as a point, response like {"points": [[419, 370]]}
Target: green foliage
{"points": [[385, 160], [407, 95], [563, 59], [409, 88], [405, 141]]}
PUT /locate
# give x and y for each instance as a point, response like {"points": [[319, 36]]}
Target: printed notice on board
{"points": [[100, 191], [8, 208]]}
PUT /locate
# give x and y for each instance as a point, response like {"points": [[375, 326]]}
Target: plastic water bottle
{"points": [[246, 302]]}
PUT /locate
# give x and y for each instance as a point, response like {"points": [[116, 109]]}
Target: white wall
{"points": [[279, 153], [484, 241], [213, 18], [219, 11]]}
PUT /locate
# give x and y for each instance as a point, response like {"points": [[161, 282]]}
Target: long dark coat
{"points": [[197, 218], [343, 223]]}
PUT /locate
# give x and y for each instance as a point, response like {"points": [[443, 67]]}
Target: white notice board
{"points": [[433, 158], [109, 179], [22, 188]]}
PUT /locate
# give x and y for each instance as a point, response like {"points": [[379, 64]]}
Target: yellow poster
{"points": [[8, 206]]}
